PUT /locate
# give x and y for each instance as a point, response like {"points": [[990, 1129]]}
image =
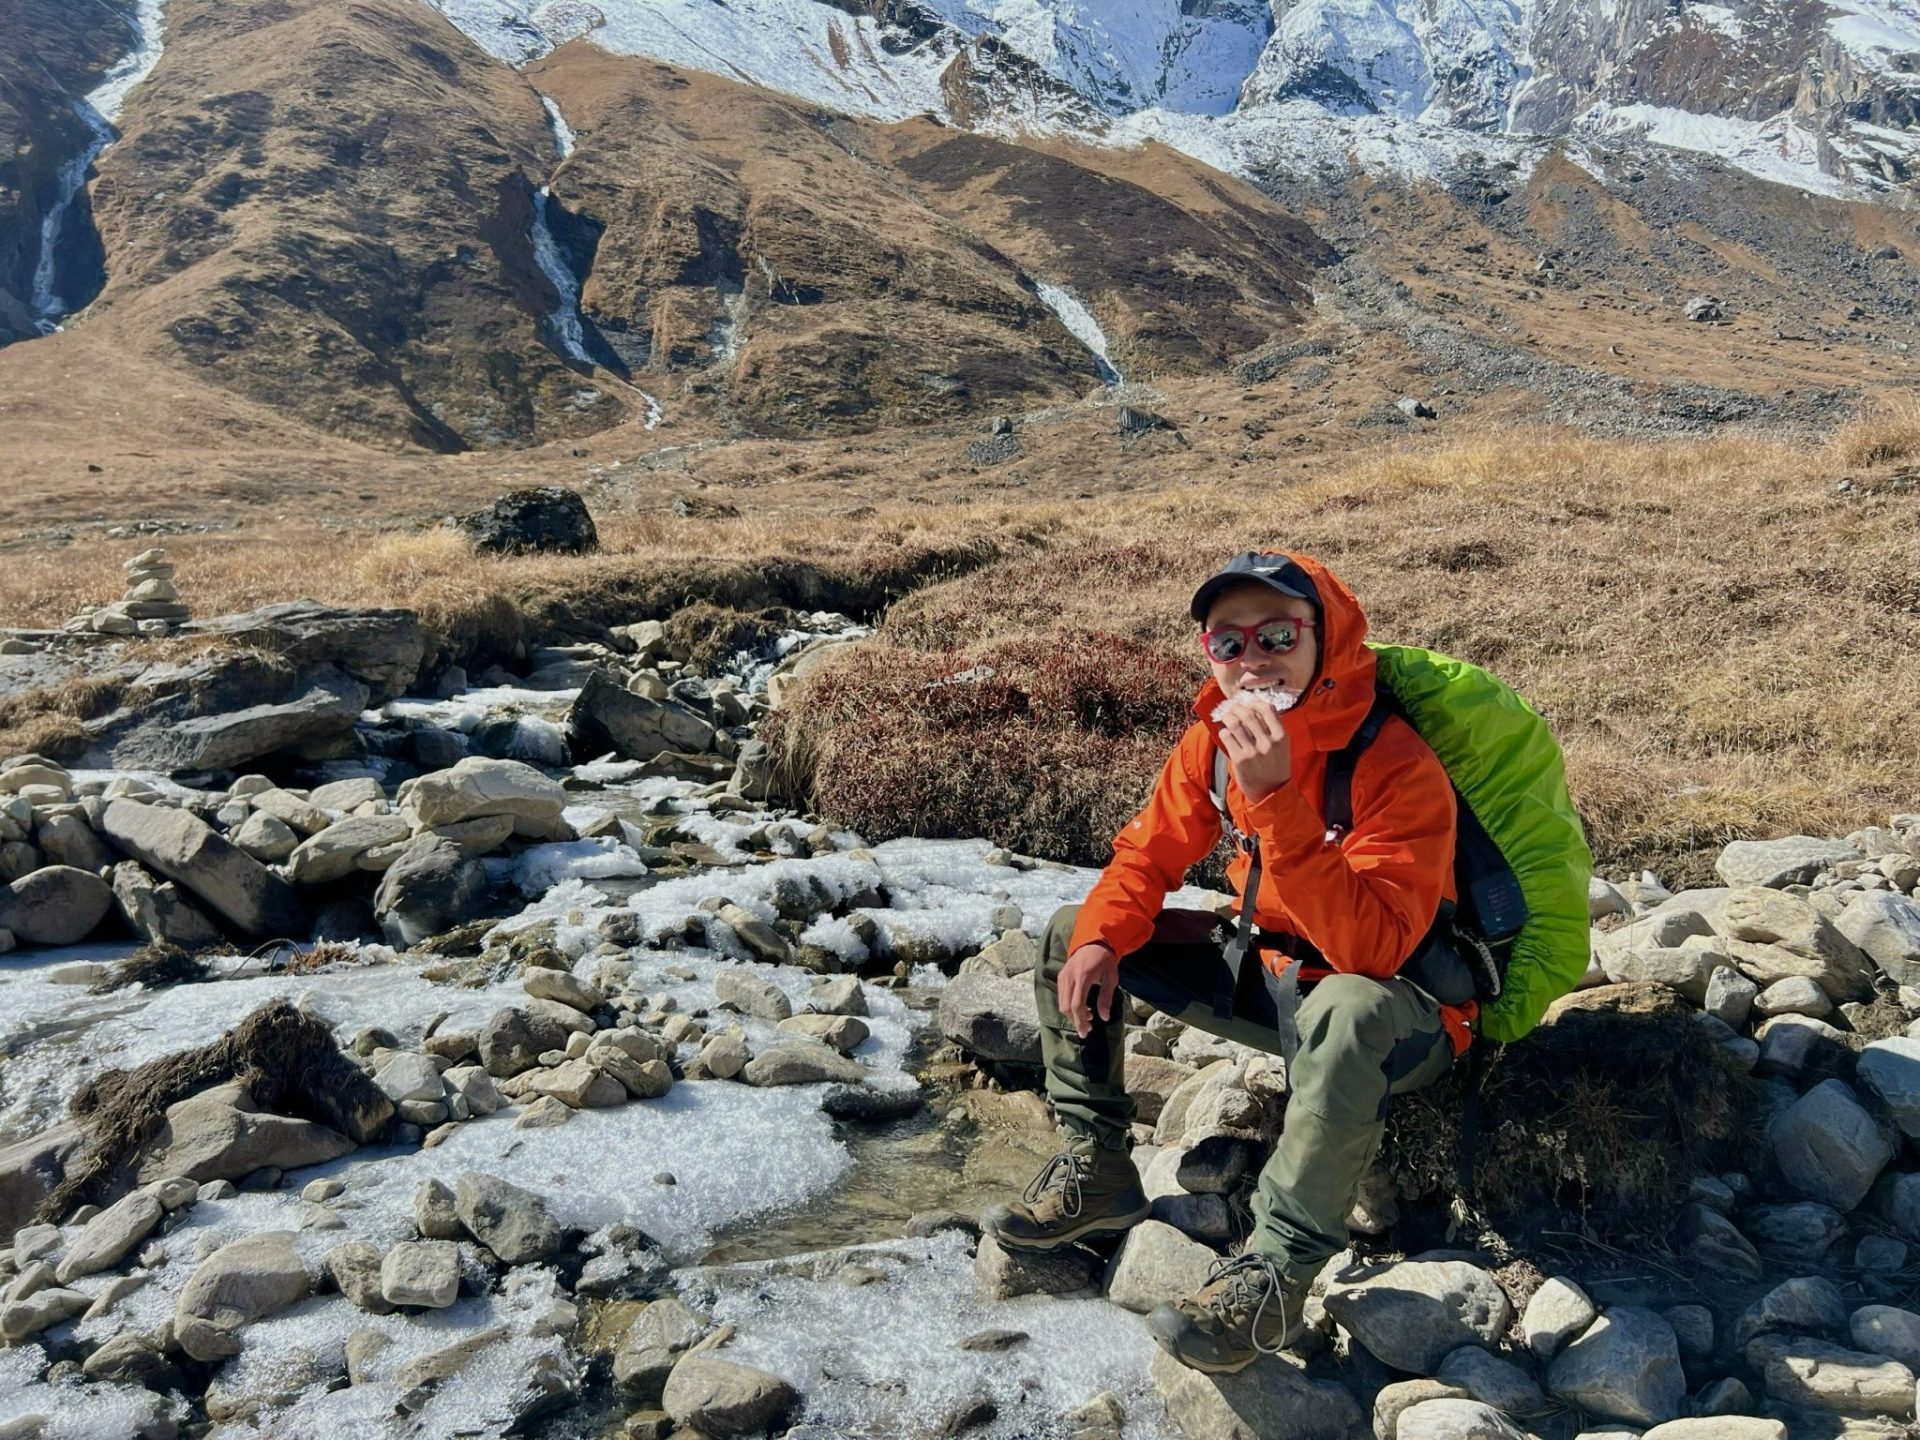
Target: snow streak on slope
{"points": [[1080, 324], [1776, 149], [100, 110]]}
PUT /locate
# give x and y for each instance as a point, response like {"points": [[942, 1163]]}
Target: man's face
{"points": [[1254, 604]]}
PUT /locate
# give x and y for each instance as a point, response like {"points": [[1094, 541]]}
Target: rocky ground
{"points": [[605, 1094]]}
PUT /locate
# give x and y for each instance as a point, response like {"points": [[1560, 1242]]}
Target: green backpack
{"points": [[1521, 862]]}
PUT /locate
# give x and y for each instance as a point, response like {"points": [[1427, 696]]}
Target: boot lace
{"points": [[1063, 1172], [1251, 1280]]}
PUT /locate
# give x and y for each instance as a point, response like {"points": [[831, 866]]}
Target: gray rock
{"points": [[1808, 1304], [1003, 1274], [58, 905], [1625, 1366], [330, 705], [1773, 935], [1898, 1201], [577, 1083], [1730, 996], [1556, 1312], [838, 995], [355, 1268], [562, 986], [993, 1017], [266, 839], [1794, 860], [1795, 995], [1396, 1399], [337, 851], [845, 1033], [1456, 1420], [511, 1222], [409, 1075], [802, 1062], [186, 849], [1829, 1147], [1887, 1330], [1887, 927], [159, 911], [1890, 1069], [1693, 1329], [542, 519], [1789, 1044], [382, 649], [110, 1235], [69, 840], [221, 1134], [607, 717], [435, 1215], [1154, 1263], [1719, 1427], [239, 1283], [291, 811], [433, 886], [751, 994], [423, 1273], [1206, 1218], [1815, 1375], [720, 1399], [479, 786], [1412, 1315], [28, 1316], [1880, 1255], [1270, 1401], [514, 1039], [1804, 1230], [1492, 1381]]}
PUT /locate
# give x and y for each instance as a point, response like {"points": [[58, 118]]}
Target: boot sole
{"points": [[1106, 1224]]}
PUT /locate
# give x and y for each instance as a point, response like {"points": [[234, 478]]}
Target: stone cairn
{"points": [[151, 606]]}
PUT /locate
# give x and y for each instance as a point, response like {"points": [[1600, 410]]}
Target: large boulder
{"points": [[1887, 927], [513, 1039], [511, 1222], [1809, 1374], [339, 850], [1271, 1400], [607, 717], [1829, 1147], [186, 849], [1891, 1070], [540, 519], [433, 886], [159, 911], [108, 1236], [222, 1134], [239, 1283], [719, 1398], [55, 906], [1412, 1315], [382, 649], [994, 1017], [329, 704], [1774, 936], [1155, 1263], [479, 786], [1624, 1366], [1793, 860]]}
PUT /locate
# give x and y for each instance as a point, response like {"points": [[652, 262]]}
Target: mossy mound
{"points": [[1598, 1120]]}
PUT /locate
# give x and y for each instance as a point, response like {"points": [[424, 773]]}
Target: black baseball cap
{"points": [[1271, 568]]}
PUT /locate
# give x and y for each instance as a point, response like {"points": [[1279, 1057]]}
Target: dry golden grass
{"points": [[1726, 643]]}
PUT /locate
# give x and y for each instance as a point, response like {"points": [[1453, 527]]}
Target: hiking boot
{"points": [[1084, 1190], [1251, 1305]]}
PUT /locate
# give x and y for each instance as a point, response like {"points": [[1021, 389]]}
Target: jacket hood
{"points": [[1342, 689]]}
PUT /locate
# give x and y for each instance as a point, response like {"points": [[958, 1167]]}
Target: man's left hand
{"points": [[1258, 749]]}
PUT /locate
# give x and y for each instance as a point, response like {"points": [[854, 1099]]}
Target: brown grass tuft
{"points": [[1888, 432]]}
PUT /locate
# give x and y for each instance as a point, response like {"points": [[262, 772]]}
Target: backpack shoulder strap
{"points": [[1337, 796]]}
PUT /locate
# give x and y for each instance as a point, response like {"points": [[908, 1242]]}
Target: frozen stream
{"points": [[1081, 325], [757, 1173], [100, 109]]}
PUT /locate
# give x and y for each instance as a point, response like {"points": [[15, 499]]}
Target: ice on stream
{"points": [[883, 1358], [100, 110]]}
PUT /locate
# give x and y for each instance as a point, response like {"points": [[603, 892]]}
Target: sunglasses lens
{"points": [[1225, 645], [1279, 637]]}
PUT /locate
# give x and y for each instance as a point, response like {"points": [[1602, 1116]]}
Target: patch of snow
{"points": [[538, 868], [1717, 18], [565, 328], [1081, 325], [1876, 31], [467, 710], [884, 1357], [1777, 149], [563, 138]]}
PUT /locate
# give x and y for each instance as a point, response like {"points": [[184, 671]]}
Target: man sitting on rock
{"points": [[1335, 916]]}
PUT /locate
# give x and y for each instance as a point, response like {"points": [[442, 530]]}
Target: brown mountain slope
{"points": [[324, 207], [821, 272]]}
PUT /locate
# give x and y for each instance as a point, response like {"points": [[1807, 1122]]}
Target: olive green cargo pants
{"points": [[1361, 1042]]}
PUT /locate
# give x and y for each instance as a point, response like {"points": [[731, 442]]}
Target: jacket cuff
{"points": [[1284, 819]]}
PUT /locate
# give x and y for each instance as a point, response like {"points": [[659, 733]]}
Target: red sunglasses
{"points": [[1227, 643]]}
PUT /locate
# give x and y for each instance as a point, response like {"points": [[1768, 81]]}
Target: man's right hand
{"points": [[1093, 967]]}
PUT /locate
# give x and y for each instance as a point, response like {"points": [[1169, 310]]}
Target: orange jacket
{"points": [[1364, 902]]}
